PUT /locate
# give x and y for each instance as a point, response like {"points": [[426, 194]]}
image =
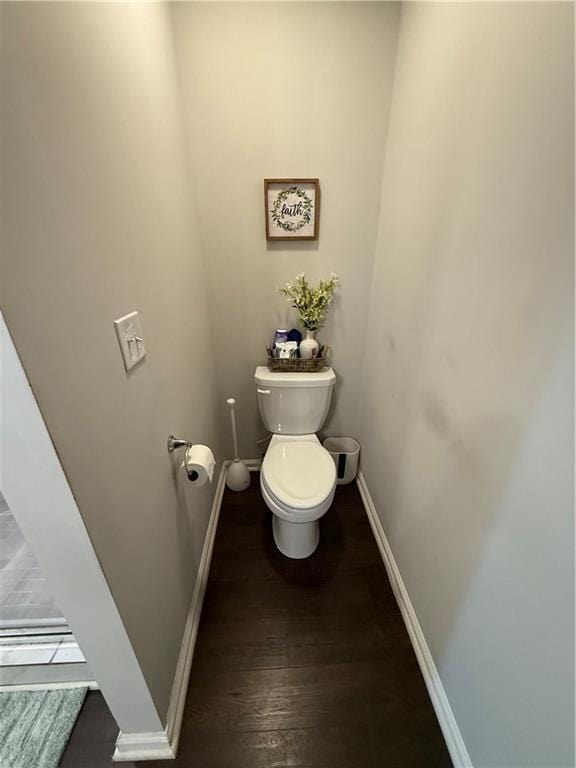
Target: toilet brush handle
{"points": [[231, 402]]}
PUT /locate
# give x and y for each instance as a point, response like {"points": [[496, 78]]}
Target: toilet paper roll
{"points": [[199, 463]]}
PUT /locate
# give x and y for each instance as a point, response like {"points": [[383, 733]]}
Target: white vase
{"points": [[309, 346]]}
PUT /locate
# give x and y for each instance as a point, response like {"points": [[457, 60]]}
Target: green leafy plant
{"points": [[311, 303]]}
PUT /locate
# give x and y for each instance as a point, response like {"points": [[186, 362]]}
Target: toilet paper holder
{"points": [[177, 442]]}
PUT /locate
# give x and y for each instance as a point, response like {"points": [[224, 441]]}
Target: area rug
{"points": [[35, 726]]}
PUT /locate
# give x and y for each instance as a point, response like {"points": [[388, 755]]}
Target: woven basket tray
{"points": [[297, 364]]}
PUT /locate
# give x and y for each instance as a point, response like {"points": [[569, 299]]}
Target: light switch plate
{"points": [[129, 332]]}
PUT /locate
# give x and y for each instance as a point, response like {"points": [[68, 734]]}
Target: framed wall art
{"points": [[292, 209]]}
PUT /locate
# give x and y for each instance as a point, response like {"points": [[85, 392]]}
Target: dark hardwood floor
{"points": [[297, 663]]}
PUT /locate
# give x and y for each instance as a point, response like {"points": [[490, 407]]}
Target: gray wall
{"points": [[285, 90], [464, 405], [98, 221], [468, 388]]}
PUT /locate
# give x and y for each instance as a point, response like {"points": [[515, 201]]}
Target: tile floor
{"points": [[15, 651], [27, 650], [25, 599], [32, 628]]}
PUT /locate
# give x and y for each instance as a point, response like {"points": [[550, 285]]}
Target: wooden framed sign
{"points": [[292, 209]]}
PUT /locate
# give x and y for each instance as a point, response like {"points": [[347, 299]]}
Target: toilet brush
{"points": [[238, 475]]}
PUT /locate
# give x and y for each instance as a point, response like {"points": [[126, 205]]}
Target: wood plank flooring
{"points": [[300, 664]]}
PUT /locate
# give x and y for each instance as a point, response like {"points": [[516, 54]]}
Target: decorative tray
{"points": [[299, 365]]}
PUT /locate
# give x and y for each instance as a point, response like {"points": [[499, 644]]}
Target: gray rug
{"points": [[35, 726]]}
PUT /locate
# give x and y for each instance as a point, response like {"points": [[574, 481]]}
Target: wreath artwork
{"points": [[291, 209], [292, 214]]}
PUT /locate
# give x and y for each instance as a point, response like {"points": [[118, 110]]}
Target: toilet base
{"points": [[295, 540]]}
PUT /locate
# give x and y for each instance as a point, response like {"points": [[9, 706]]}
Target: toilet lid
{"points": [[300, 473]]}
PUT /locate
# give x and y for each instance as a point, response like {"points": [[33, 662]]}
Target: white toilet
{"points": [[298, 476]]}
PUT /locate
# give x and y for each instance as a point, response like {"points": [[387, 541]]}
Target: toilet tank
{"points": [[293, 403]]}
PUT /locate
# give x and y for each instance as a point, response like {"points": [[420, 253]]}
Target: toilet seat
{"points": [[298, 477]]}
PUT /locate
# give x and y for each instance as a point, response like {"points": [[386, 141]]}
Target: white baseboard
{"points": [[143, 746], [164, 744], [180, 688], [253, 465], [446, 719]]}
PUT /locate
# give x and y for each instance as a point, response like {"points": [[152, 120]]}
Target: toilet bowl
{"points": [[298, 477], [298, 481]]}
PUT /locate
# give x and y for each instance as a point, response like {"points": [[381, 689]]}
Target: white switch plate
{"points": [[129, 332]]}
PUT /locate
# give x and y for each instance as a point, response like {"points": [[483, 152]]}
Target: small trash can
{"points": [[345, 451]]}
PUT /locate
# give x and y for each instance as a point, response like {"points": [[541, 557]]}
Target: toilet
{"points": [[298, 476]]}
